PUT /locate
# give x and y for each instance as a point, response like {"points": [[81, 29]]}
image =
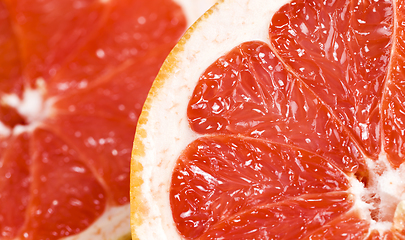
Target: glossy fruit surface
{"points": [[288, 127]]}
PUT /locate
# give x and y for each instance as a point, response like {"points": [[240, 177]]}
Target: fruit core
{"points": [[381, 192], [22, 113]]}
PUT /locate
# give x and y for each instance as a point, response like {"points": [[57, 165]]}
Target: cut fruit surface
{"points": [[276, 120], [73, 79]]}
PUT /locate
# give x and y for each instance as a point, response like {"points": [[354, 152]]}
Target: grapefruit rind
{"points": [[163, 130], [194, 9]]}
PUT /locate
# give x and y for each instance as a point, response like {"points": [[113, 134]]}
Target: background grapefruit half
{"points": [[73, 78]]}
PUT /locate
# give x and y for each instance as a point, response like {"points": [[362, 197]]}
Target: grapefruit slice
{"points": [[73, 78], [276, 120]]}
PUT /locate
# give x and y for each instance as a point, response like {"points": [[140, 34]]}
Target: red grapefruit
{"points": [[277, 120]]}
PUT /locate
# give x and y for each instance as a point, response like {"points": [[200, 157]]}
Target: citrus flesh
{"points": [[74, 75], [286, 123]]}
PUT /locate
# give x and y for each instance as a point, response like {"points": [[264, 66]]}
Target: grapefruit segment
{"points": [[394, 97], [341, 51], [11, 71], [15, 186], [290, 219], [219, 177], [346, 226], [132, 32], [65, 196], [249, 91], [99, 148], [107, 97], [49, 31]]}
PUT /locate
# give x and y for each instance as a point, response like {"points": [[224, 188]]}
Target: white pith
{"points": [[5, 131], [194, 9], [31, 106], [168, 132], [388, 185]]}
